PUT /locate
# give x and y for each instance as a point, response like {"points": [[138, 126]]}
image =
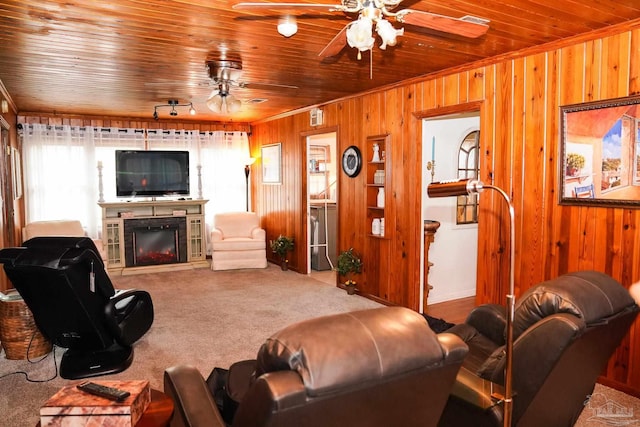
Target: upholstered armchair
{"points": [[237, 241], [59, 228], [565, 330], [378, 367]]}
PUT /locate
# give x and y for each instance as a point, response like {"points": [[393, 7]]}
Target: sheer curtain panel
{"points": [[60, 170]]}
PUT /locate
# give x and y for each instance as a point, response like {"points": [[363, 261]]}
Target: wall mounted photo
{"points": [[271, 167], [600, 153]]}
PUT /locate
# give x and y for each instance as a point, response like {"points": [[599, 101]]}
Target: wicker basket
{"points": [[17, 328]]}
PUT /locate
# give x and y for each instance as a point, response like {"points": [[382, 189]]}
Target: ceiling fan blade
{"points": [[288, 6], [336, 44], [265, 86], [467, 26]]}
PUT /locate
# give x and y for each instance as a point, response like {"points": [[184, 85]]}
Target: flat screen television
{"points": [[151, 173]]}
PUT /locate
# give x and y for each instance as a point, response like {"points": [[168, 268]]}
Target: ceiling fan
{"points": [[224, 74], [374, 14]]}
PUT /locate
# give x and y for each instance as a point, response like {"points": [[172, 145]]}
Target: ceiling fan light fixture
{"points": [[359, 34], [224, 104], [233, 104], [287, 27], [214, 103], [388, 33]]}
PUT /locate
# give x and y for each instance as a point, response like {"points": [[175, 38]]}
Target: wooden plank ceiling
{"points": [[123, 57]]}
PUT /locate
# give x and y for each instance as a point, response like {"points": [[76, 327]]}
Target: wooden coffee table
{"points": [[157, 414]]}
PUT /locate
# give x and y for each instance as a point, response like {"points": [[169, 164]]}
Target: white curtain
{"points": [[61, 168], [182, 140], [223, 156]]}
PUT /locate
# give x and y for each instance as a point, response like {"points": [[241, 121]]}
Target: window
{"points": [[468, 167], [56, 191]]}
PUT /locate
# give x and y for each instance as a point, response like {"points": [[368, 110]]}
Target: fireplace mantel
{"points": [[114, 214]]}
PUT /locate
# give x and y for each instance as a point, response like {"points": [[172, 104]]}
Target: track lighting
{"points": [[173, 103]]}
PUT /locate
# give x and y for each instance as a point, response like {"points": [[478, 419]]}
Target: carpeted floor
{"points": [[210, 319], [203, 318]]}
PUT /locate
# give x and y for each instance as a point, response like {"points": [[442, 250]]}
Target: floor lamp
{"points": [[247, 171], [462, 187]]}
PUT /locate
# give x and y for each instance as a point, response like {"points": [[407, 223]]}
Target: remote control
{"points": [[103, 391]]}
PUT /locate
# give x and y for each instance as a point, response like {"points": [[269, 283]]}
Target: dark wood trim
{"points": [[449, 110]]}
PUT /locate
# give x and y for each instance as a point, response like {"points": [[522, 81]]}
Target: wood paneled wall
{"points": [[11, 215], [519, 98]]}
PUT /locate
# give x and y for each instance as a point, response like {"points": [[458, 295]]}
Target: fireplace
{"points": [[155, 241]]}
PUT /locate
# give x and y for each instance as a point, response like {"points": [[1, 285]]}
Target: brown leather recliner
{"points": [[565, 330], [378, 367]]}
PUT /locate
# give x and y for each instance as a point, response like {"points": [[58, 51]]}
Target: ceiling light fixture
{"points": [[287, 26], [223, 102], [359, 33], [173, 103]]}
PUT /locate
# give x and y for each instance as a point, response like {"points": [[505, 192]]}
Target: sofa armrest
{"points": [[194, 405], [490, 320], [454, 349], [216, 235], [259, 234]]}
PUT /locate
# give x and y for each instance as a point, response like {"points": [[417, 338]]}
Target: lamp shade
{"points": [[359, 34], [224, 104], [387, 33], [231, 104], [214, 103]]}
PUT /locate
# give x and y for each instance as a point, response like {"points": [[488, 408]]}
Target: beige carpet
{"points": [[209, 319]]}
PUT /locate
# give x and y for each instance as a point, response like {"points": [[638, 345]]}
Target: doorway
{"points": [[322, 206], [447, 141]]}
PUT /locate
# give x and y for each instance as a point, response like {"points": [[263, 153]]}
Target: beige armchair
{"points": [[237, 241], [59, 228]]}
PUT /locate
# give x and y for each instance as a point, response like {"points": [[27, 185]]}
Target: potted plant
{"points": [[349, 263], [281, 246], [575, 162]]}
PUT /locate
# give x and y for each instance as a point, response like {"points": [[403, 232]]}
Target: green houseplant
{"points": [[282, 246], [349, 263]]}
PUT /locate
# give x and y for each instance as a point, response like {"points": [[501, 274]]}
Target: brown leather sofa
{"points": [[378, 367], [565, 330]]}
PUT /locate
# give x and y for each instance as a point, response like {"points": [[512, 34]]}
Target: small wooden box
{"points": [[71, 407]]}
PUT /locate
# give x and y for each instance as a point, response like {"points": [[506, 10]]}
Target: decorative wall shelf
{"points": [[377, 159]]}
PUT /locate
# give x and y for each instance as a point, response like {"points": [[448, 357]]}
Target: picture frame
{"points": [[271, 163], [600, 153]]}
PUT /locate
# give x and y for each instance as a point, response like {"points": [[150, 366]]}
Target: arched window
{"points": [[468, 167]]}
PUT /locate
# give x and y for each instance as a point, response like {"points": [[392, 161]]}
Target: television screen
{"points": [[151, 173]]}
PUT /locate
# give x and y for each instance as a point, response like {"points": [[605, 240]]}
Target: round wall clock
{"points": [[352, 161]]}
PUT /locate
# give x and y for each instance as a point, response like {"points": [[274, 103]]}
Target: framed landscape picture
{"points": [[600, 153], [271, 167]]}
